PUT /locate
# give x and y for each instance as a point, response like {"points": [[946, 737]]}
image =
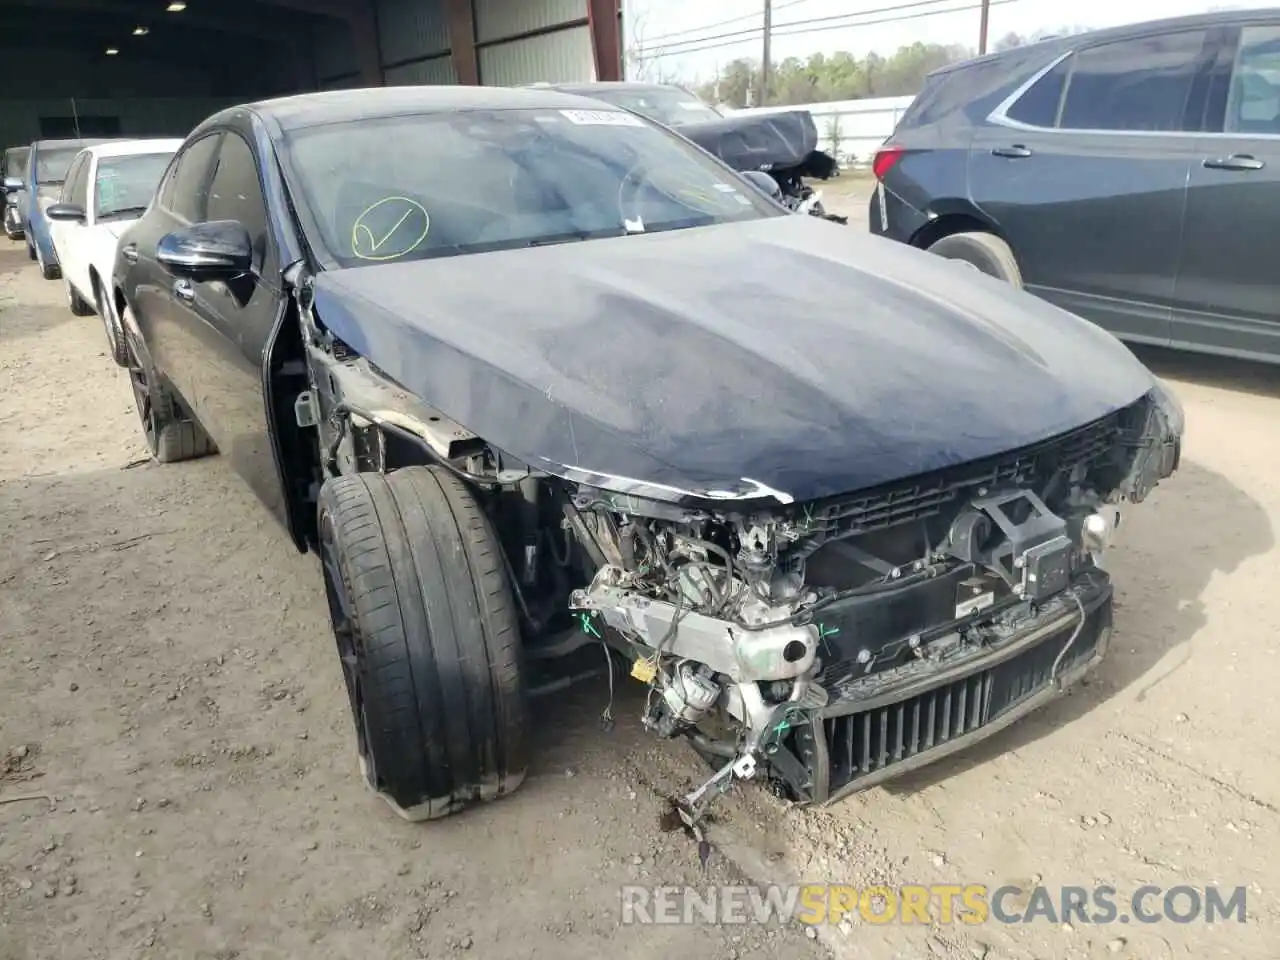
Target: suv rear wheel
{"points": [[985, 251], [428, 638]]}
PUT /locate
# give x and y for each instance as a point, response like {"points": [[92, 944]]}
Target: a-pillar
{"points": [[606, 38]]}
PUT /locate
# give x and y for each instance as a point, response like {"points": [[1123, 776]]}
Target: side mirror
{"points": [[13, 184], [67, 212], [764, 183], [220, 250]]}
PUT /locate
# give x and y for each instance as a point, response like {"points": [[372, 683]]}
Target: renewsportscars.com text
{"points": [[936, 903]]}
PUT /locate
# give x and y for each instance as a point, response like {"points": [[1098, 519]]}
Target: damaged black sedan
{"points": [[535, 378]]}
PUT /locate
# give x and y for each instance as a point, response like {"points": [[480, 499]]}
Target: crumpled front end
{"points": [[830, 645]]}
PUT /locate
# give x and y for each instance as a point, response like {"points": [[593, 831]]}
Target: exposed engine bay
{"points": [[821, 647]]}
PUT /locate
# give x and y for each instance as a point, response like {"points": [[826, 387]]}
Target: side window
{"points": [[79, 182], [1039, 105], [67, 194], [1253, 104], [186, 192], [236, 192], [1139, 85]]}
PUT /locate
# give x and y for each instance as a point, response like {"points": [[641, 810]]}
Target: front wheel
{"points": [[428, 639], [984, 251], [76, 303], [111, 323]]}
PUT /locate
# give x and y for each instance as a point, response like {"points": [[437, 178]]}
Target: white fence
{"points": [[850, 130]]}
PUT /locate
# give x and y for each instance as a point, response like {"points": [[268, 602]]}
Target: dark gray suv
{"points": [[1130, 175]]}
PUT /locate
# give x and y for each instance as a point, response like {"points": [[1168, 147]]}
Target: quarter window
{"points": [[1140, 84], [1253, 105]]}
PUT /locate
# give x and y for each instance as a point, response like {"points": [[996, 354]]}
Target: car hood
{"points": [[114, 228], [787, 354]]}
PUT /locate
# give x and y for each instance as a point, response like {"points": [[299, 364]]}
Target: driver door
{"points": [[227, 326]]}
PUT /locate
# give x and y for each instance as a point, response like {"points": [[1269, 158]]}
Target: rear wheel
{"points": [[427, 634], [985, 251], [170, 436]]}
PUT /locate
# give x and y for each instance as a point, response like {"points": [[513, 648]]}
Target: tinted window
{"points": [[52, 163], [73, 179], [236, 193], [125, 185], [1139, 84], [452, 183], [1253, 104], [1039, 105], [186, 192]]}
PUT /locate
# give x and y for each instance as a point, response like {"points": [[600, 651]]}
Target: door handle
{"points": [[1015, 152], [130, 252], [1237, 161], [183, 290]]}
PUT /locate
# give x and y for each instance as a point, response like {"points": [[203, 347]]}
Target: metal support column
{"points": [[460, 18], [603, 18]]}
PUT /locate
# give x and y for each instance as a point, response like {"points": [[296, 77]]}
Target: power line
{"points": [[807, 26], [720, 23], [834, 21]]}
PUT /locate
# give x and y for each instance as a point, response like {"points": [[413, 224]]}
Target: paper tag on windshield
{"points": [[601, 118]]}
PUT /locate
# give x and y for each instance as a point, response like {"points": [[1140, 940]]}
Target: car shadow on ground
{"points": [[1245, 376], [1197, 526]]}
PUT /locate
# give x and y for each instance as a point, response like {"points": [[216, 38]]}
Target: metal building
{"points": [[157, 67]]}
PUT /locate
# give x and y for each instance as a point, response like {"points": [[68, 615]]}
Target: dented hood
{"points": [[785, 353]]}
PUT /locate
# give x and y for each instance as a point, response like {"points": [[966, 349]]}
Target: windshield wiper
{"points": [[576, 235]]}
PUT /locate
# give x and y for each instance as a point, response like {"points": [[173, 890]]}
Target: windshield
{"points": [[125, 185], [671, 106], [15, 162], [411, 187], [52, 163]]}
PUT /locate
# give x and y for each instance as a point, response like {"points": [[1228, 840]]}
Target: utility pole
{"points": [[765, 64], [982, 27]]}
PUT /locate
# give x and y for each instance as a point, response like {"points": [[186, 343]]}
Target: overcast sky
{"points": [[677, 25]]}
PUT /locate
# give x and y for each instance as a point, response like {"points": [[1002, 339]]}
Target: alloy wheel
{"points": [[350, 646], [142, 398]]}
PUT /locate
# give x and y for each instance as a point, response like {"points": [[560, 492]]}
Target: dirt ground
{"points": [[168, 677]]}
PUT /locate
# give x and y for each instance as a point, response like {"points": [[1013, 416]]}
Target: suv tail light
{"points": [[885, 159]]}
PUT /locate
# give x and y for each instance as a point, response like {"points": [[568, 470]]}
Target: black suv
{"points": [[1130, 175]]}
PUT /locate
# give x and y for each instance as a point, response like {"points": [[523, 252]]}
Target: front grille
{"points": [[867, 742], [928, 495]]}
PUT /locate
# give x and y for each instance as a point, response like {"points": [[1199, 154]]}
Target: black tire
{"points": [[76, 303], [986, 251], [170, 436], [31, 249], [111, 324], [426, 628]]}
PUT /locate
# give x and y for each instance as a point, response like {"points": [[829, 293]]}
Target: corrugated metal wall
{"points": [[498, 19], [552, 57], [167, 117], [520, 41]]}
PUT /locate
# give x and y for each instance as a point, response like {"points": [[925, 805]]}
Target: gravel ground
{"points": [[167, 674]]}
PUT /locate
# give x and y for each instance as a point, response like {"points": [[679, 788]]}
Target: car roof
{"points": [[57, 144], [1066, 42], [128, 148], [338, 106]]}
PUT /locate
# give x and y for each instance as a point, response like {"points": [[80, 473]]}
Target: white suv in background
{"points": [[108, 186]]}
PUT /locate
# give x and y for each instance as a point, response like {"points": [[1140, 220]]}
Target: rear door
{"points": [[1225, 295], [1084, 170]]}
